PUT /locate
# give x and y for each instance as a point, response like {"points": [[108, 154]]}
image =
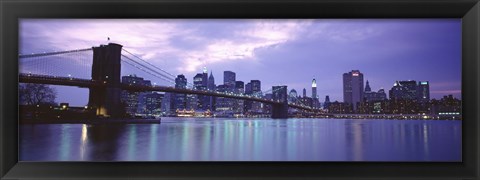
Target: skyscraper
{"points": [[315, 102], [257, 91], [200, 83], [327, 102], [223, 106], [153, 104], [205, 77], [371, 96], [304, 92], [405, 90], [423, 91], [180, 99], [367, 87], [229, 80], [239, 104], [256, 86], [211, 87], [168, 104], [131, 99], [211, 82], [353, 88]]}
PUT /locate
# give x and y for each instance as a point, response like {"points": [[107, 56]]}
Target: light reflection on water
{"points": [[190, 139]]}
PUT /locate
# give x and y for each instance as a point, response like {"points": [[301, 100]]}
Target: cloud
{"points": [[242, 44], [188, 46]]}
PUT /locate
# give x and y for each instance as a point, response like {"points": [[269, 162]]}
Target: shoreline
{"points": [[158, 121], [93, 121]]}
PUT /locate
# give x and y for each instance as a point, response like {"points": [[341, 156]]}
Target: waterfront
{"points": [[216, 139]]}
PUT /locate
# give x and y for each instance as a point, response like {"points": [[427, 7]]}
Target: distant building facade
{"points": [[130, 99], [353, 88], [180, 99]]}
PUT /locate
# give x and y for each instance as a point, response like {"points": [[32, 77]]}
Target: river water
{"points": [[217, 139]]}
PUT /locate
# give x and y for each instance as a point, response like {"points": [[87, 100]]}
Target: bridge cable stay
{"points": [[172, 77], [144, 69], [71, 63], [266, 92], [148, 63], [298, 100], [52, 53]]}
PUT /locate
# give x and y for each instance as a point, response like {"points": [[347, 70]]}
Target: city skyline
{"points": [[279, 52]]}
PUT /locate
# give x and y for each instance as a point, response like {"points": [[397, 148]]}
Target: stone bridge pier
{"points": [[280, 111], [106, 69]]}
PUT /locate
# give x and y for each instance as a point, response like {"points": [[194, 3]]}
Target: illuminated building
{"points": [[151, 104], [180, 99], [239, 104], [353, 88], [404, 90], [371, 96], [199, 101], [423, 91], [131, 99], [223, 106], [256, 86], [211, 87], [327, 102], [229, 80], [315, 102]]}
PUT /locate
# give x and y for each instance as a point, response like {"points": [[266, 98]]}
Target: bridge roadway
{"points": [[88, 83]]}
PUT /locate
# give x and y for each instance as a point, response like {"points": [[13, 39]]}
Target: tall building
{"points": [[211, 87], [327, 102], [257, 107], [131, 100], [239, 104], [371, 96], [200, 83], [353, 88], [180, 99], [211, 82], [229, 80], [205, 77], [256, 86], [367, 87], [248, 88], [423, 96], [304, 92], [423, 92], [168, 104], [405, 90], [315, 102], [223, 106], [151, 104]]}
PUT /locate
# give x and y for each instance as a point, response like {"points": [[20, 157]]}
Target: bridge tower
{"points": [[280, 111], [106, 69]]}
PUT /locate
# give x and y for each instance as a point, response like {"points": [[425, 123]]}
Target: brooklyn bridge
{"points": [[104, 82]]}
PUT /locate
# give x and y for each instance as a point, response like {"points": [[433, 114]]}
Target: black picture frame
{"points": [[11, 11]]}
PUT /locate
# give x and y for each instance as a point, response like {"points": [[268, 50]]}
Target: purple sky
{"points": [[277, 52]]}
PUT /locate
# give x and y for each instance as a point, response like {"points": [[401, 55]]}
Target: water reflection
{"points": [[191, 139]]}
